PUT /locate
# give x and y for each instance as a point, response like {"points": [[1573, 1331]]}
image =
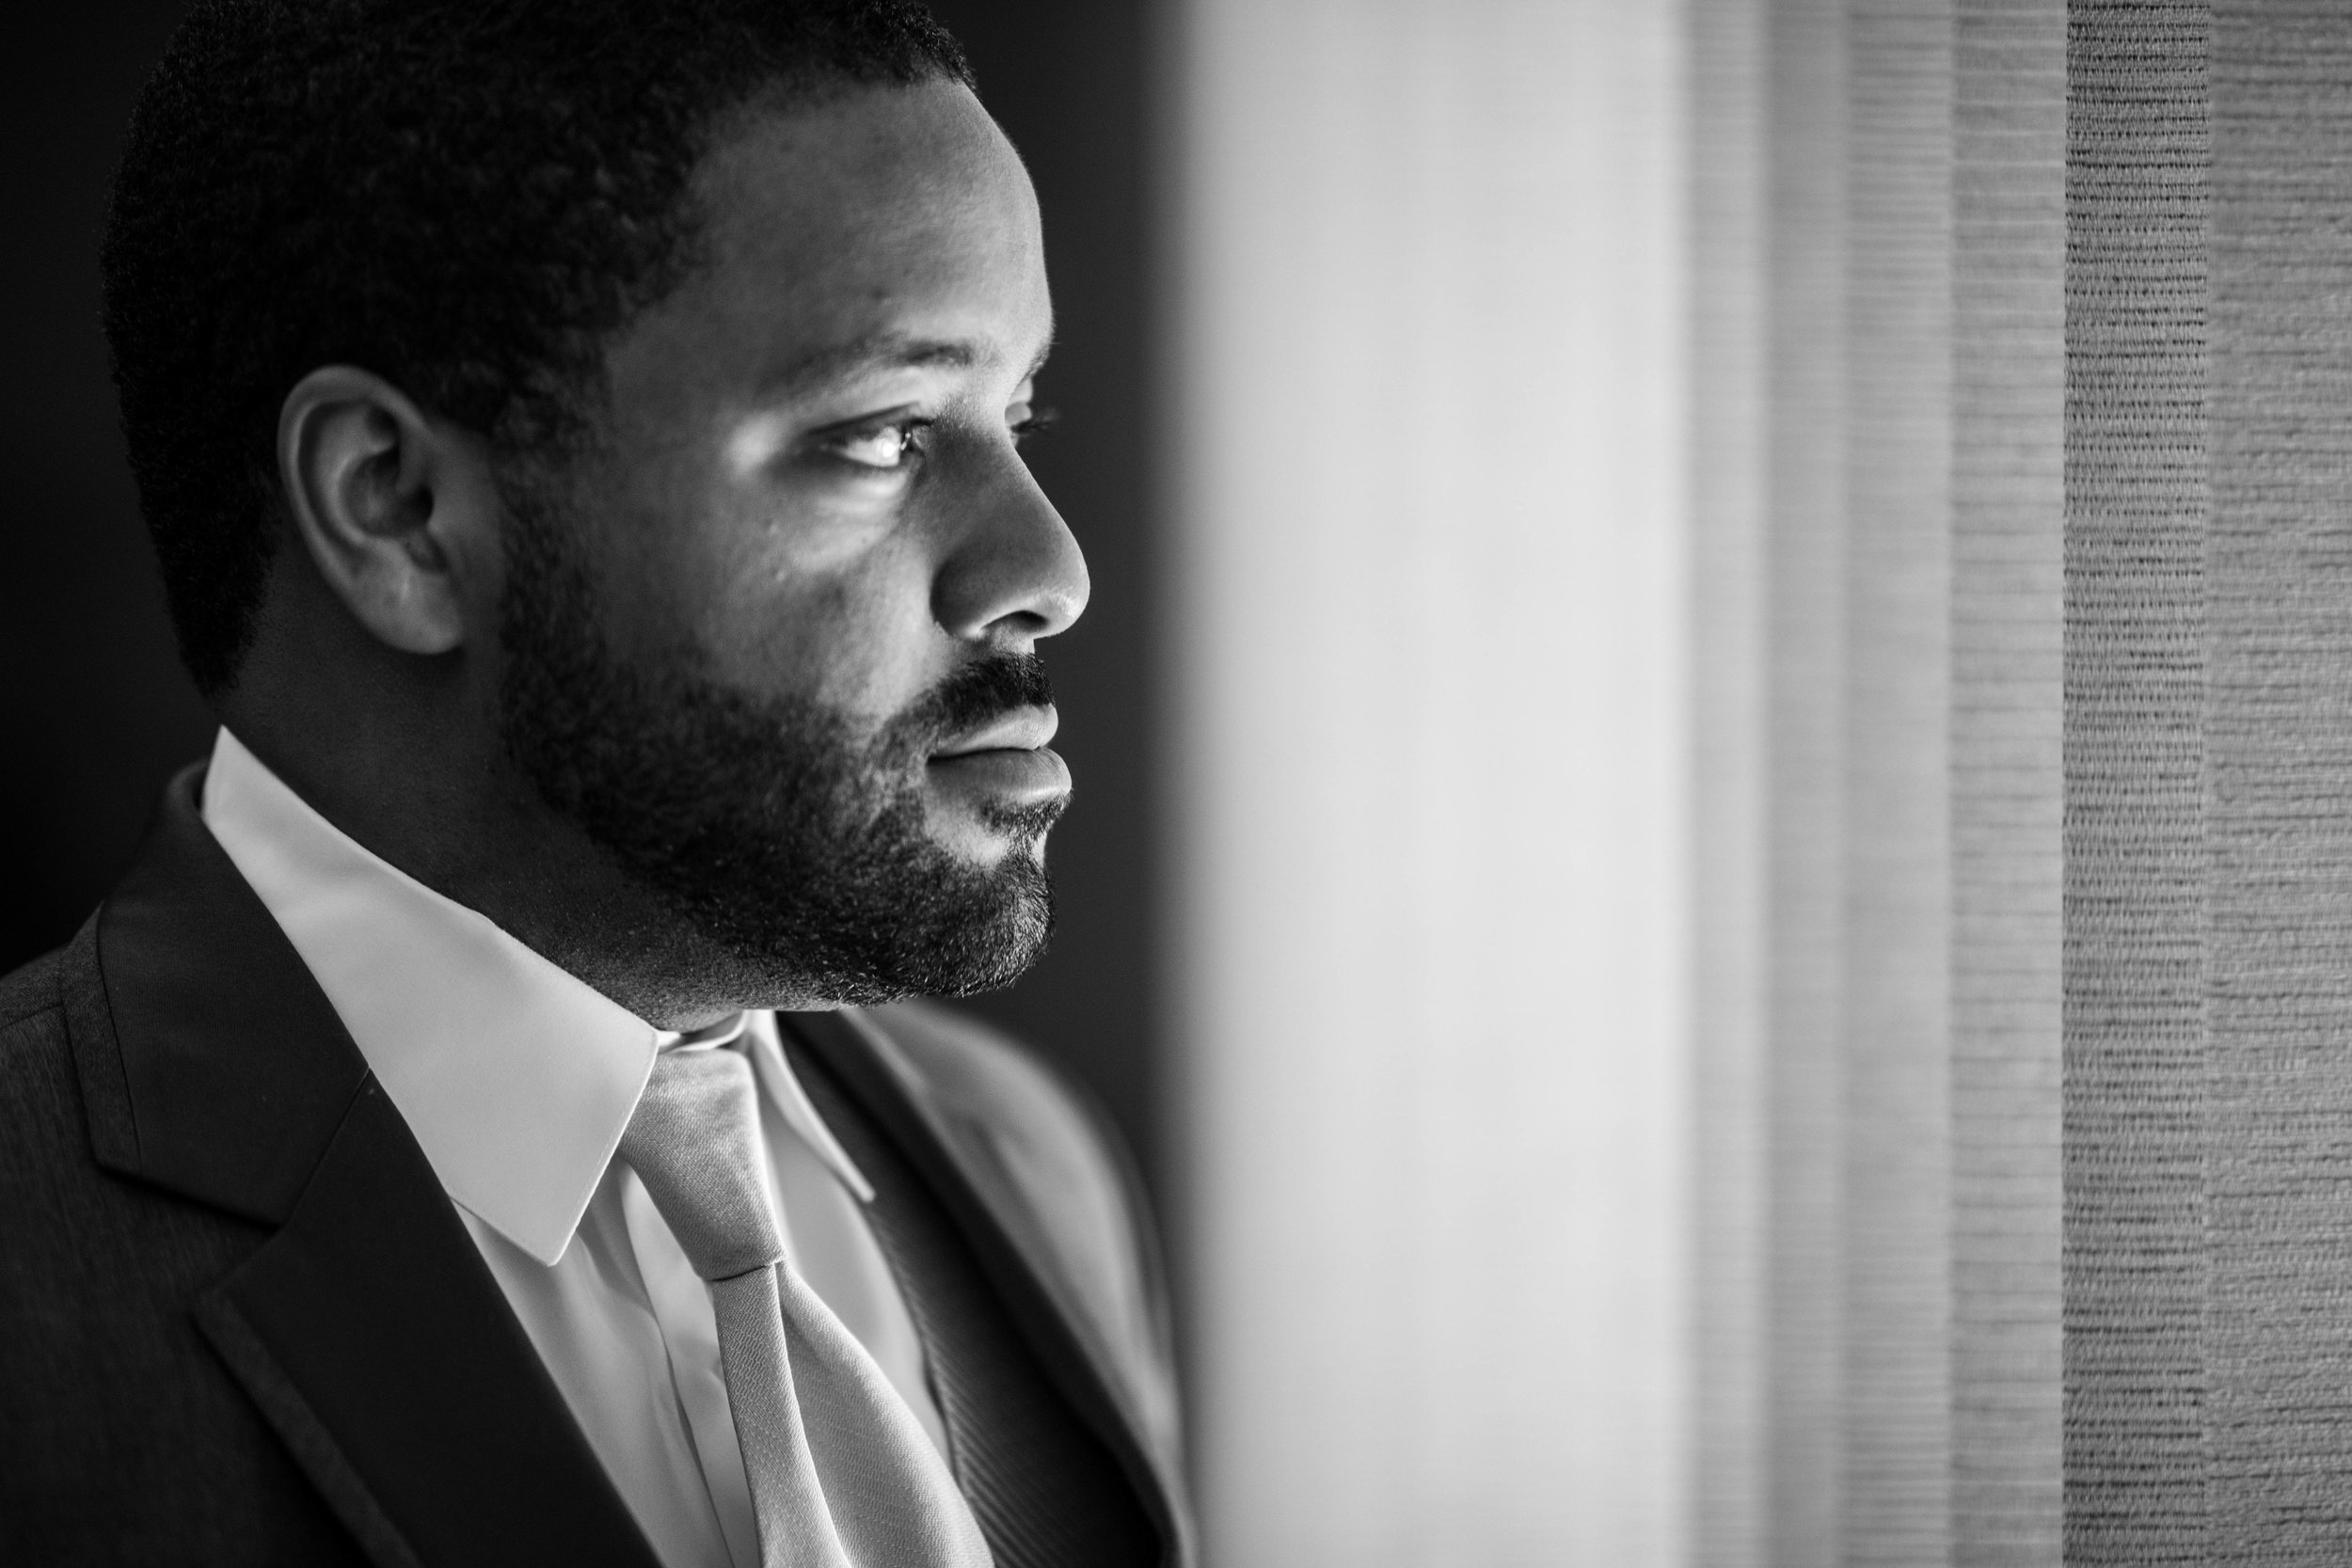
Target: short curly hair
{"points": [[465, 197]]}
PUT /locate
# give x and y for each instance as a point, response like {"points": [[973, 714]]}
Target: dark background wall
{"points": [[93, 709], [94, 712]]}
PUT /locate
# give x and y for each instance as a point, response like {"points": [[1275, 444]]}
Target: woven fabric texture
{"points": [[2277, 1320], [2008, 631], [1878, 316], [1899, 793], [2137, 504]]}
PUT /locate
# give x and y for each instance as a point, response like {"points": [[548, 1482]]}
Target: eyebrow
{"points": [[885, 350]]}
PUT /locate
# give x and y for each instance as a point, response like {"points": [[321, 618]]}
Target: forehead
{"points": [[880, 211]]}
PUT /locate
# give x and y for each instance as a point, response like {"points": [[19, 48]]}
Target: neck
{"points": [[459, 818]]}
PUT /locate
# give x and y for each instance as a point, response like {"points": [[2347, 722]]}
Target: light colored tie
{"points": [[842, 1475]]}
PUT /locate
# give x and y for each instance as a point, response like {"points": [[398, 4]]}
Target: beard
{"points": [[788, 834]]}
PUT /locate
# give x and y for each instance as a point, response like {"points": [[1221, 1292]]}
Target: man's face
{"points": [[771, 642]]}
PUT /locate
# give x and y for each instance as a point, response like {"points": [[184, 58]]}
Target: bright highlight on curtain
{"points": [[1432, 768]]}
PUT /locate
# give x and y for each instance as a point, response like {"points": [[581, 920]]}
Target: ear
{"points": [[399, 511]]}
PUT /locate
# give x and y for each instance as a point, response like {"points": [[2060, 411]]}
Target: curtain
{"points": [[2209, 854], [1879, 389], [1429, 633], [1763, 659]]}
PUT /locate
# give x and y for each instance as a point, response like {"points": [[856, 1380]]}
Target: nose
{"points": [[1015, 573]]}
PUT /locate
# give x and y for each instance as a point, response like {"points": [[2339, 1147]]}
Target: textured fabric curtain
{"points": [[2209, 746], [2137, 503], [1879, 199], [1968, 759]]}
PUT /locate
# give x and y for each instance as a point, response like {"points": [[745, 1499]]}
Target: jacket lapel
{"points": [[367, 1328], [962, 1176]]}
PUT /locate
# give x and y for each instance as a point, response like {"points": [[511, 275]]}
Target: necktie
{"points": [[841, 1473]]}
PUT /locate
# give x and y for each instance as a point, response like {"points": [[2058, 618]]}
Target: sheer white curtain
{"points": [[1614, 641], [1431, 636]]}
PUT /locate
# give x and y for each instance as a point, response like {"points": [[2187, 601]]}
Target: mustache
{"points": [[980, 691]]}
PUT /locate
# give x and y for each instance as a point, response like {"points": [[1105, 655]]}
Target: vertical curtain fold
{"points": [[2008, 620], [1731, 420], [2209, 763], [2277, 788], [1802, 1432], [1895, 1355], [2136, 505], [1899, 792]]}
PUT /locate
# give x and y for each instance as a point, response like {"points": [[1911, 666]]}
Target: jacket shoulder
{"points": [[30, 989], [38, 1105], [985, 1075], [122, 1438], [1060, 1169]]}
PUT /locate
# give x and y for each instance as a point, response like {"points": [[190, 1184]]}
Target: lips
{"points": [[1020, 729], [1005, 761]]}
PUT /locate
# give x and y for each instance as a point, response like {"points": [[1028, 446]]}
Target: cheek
{"points": [[855, 632], [780, 539], [780, 592]]}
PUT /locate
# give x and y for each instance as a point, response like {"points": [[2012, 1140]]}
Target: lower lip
{"points": [[1014, 777]]}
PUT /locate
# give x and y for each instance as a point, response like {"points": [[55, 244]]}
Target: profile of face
{"points": [[768, 634]]}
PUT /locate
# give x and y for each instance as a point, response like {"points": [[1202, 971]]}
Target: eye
{"points": [[883, 448], [1033, 421]]}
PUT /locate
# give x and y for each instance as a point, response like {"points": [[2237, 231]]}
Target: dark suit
{"points": [[240, 1322]]}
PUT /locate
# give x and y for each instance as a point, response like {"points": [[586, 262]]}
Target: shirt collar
{"points": [[515, 1076], [766, 1049]]}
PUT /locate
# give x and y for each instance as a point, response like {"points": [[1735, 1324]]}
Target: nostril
{"points": [[1017, 572]]}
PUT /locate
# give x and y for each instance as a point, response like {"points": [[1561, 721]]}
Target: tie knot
{"points": [[695, 1142]]}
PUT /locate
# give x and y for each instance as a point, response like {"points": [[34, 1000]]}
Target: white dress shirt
{"points": [[516, 1080]]}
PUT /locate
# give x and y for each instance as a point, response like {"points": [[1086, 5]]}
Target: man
{"points": [[579, 436]]}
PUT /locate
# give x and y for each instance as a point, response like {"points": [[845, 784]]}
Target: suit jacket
{"points": [[240, 1322]]}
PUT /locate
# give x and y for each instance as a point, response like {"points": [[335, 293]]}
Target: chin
{"points": [[984, 842]]}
